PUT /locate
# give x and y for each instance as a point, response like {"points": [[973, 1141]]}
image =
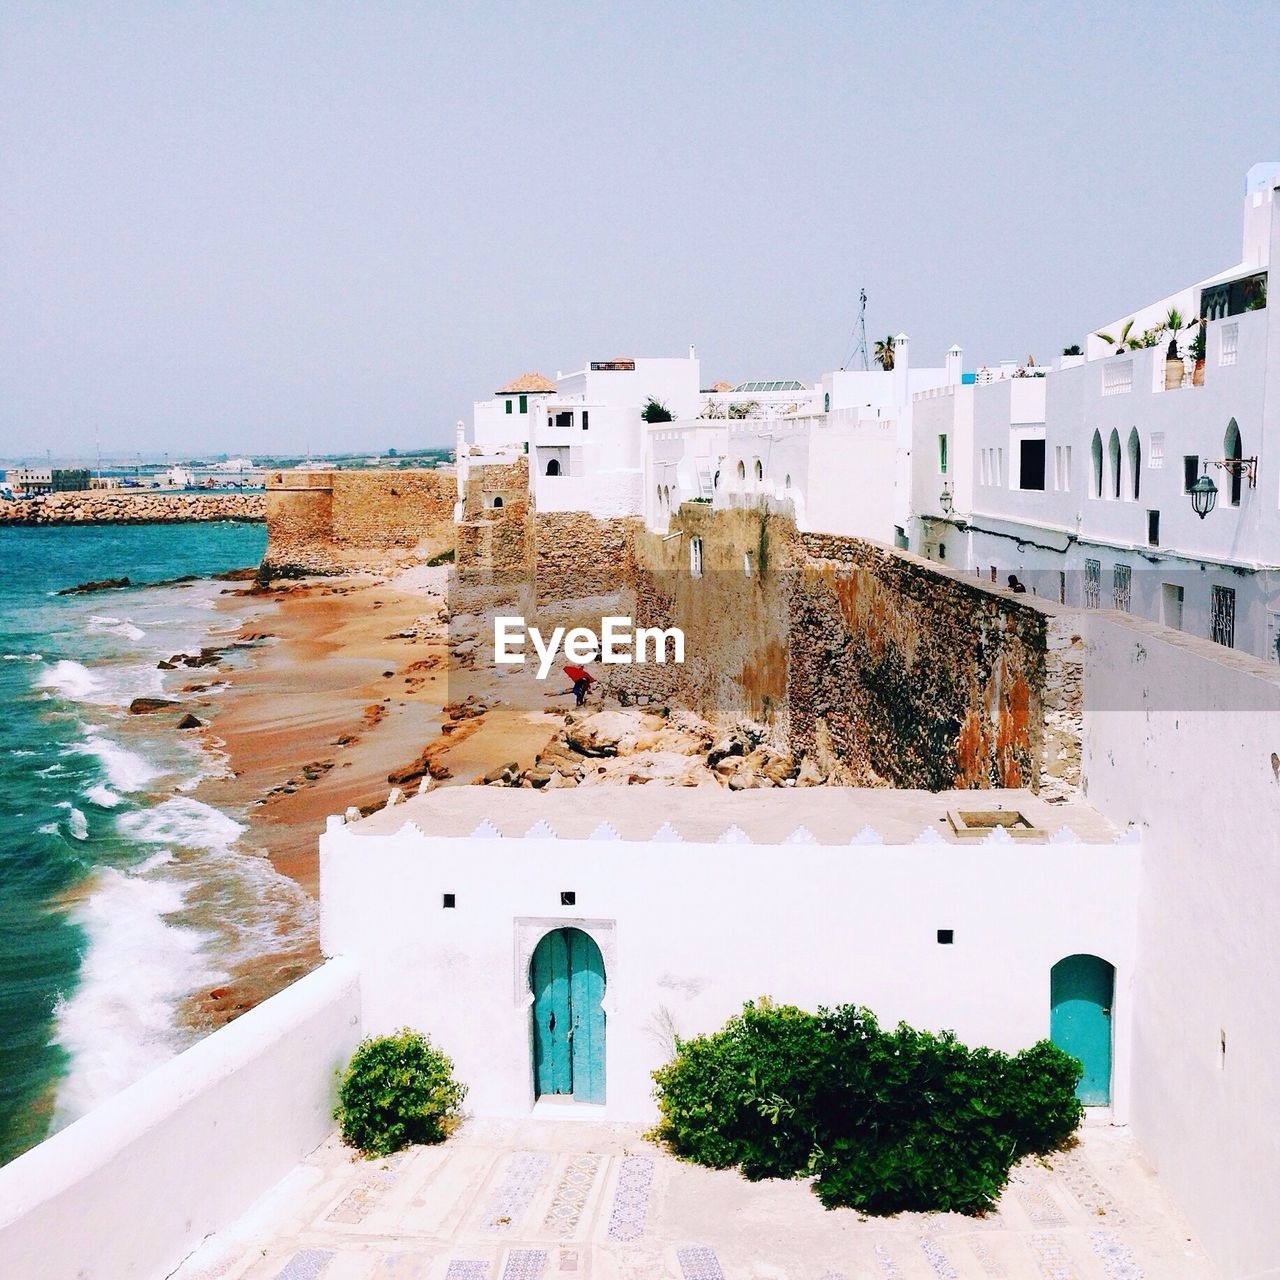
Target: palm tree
{"points": [[1120, 342], [884, 353], [1174, 323]]}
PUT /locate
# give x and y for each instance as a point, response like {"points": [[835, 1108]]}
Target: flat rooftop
{"points": [[832, 815]]}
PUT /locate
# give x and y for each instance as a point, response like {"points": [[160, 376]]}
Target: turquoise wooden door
{"points": [[567, 974], [1081, 991]]}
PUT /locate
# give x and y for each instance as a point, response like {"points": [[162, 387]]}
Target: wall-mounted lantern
{"points": [[1204, 493], [945, 500]]}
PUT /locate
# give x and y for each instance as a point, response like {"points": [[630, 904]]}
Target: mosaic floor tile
{"points": [[402, 1266], [888, 1267], [1041, 1207], [306, 1264], [356, 1204], [1117, 1261], [938, 1260], [467, 1269], [1051, 1254], [568, 1259], [571, 1195], [631, 1200], [524, 1174], [525, 1264], [991, 1266], [699, 1263], [1074, 1170]]}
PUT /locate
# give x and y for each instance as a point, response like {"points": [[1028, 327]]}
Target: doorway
{"points": [[1081, 991], [567, 976]]}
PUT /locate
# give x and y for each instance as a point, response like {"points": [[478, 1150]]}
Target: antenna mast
{"points": [[860, 336]]}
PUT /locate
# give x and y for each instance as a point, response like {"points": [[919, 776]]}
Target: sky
{"points": [[316, 227]]}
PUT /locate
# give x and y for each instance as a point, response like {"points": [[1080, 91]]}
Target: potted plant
{"points": [[1196, 352], [1121, 343]]}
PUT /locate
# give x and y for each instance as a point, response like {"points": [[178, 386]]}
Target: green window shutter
{"points": [[524, 404], [508, 406]]}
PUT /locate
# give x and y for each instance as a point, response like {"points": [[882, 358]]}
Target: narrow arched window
{"points": [[759, 471], [1113, 460], [1097, 464], [742, 470], [1233, 451], [1135, 463]]}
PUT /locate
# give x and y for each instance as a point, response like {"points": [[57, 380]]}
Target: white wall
{"points": [[1181, 736], [690, 931], [133, 1187]]}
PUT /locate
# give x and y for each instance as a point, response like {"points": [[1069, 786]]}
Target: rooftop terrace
{"points": [[830, 815]]}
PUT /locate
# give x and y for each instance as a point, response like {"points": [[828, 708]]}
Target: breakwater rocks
{"points": [[110, 507]]}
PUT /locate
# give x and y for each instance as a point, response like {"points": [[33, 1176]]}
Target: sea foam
{"points": [[72, 680], [118, 1023], [125, 769], [182, 821]]}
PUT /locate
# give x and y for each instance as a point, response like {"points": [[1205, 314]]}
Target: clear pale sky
{"points": [[260, 227]]}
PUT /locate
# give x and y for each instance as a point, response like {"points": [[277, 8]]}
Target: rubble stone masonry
{"points": [[109, 506], [883, 668], [334, 521]]}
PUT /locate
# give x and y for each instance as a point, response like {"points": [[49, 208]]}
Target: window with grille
{"points": [[1155, 455], [1121, 582], [1230, 338], [1092, 583], [1117, 377], [1222, 617]]}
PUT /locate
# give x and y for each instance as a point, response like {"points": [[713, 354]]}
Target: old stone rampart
{"points": [[104, 506]]}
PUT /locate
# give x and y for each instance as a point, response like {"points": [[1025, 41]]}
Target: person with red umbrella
{"points": [[582, 681]]}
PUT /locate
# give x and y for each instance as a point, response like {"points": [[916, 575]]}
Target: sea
{"points": [[121, 892]]}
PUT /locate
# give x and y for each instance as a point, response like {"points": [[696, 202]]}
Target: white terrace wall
{"points": [[688, 932], [133, 1187], [1183, 736]]}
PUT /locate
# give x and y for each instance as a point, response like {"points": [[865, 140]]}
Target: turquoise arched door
{"points": [[567, 974], [1081, 991]]}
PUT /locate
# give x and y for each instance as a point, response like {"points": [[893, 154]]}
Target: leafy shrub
{"points": [[397, 1090], [656, 411], [885, 1121]]}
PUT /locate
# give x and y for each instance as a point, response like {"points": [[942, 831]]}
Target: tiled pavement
{"points": [[547, 1200]]}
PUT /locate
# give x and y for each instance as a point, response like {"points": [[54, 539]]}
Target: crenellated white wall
{"points": [[689, 931], [130, 1189]]}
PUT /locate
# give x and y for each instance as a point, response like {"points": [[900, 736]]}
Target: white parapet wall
{"points": [[133, 1187], [690, 929], [1183, 737]]}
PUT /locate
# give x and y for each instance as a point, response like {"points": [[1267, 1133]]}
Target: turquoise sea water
{"points": [[120, 892]]}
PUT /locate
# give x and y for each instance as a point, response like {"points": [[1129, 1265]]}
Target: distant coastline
{"points": [[96, 507]]}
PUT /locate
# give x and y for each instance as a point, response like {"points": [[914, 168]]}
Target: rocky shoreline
{"points": [[113, 507]]}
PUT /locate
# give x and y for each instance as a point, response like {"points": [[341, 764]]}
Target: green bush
{"points": [[397, 1090], [885, 1121]]}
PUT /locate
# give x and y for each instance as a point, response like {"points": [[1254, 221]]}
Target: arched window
{"points": [[1097, 464], [666, 494], [715, 483], [1233, 447], [759, 471], [742, 471], [1135, 463], [786, 484], [1113, 461], [553, 467], [497, 501], [659, 495]]}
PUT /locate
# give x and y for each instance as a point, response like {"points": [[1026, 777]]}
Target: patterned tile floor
{"points": [[546, 1200]]}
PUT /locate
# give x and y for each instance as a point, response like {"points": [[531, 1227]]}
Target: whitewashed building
{"points": [[1079, 481], [836, 455], [584, 433]]}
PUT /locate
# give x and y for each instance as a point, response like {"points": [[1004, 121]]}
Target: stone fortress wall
{"points": [[328, 522], [103, 506]]}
